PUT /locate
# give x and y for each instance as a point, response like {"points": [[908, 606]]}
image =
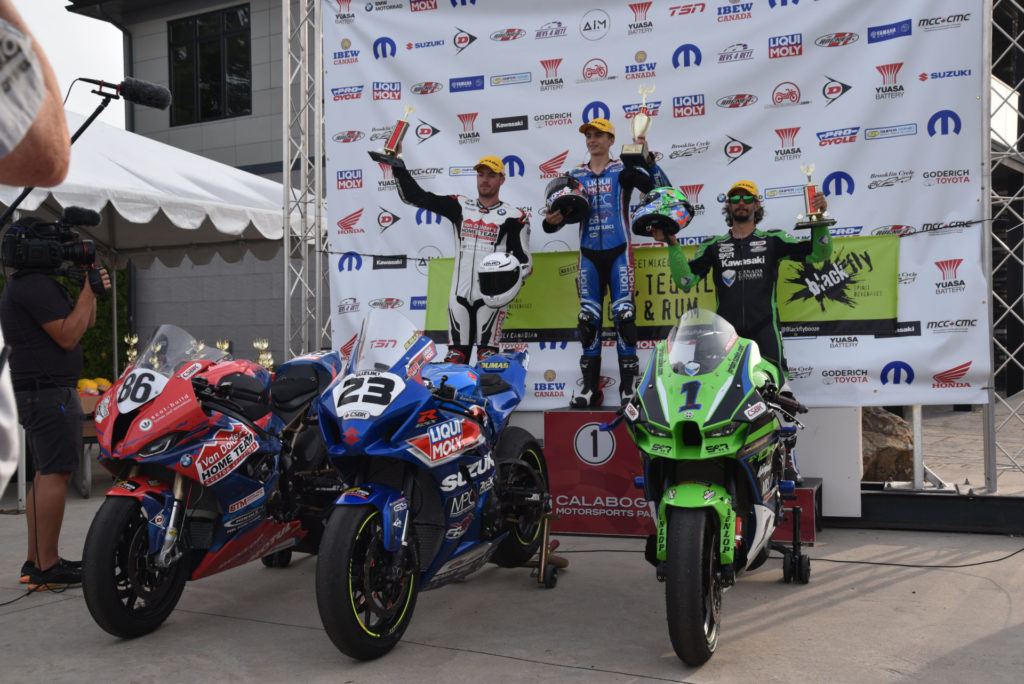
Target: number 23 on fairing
{"points": [[366, 393]]}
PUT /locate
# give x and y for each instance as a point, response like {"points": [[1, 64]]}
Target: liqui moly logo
{"points": [[688, 105], [444, 440]]}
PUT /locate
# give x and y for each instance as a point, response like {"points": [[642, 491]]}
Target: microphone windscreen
{"points": [[77, 216], [145, 93]]}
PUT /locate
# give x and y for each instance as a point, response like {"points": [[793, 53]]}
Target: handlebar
{"points": [[790, 405]]}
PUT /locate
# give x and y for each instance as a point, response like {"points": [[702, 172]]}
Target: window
{"points": [[211, 66]]}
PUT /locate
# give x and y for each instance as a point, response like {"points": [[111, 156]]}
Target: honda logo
{"points": [[944, 117], [551, 166], [596, 110], [514, 166], [901, 373], [690, 53], [837, 179], [350, 261], [382, 47]]}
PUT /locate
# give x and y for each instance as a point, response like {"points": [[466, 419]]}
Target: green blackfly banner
{"points": [[853, 294]]}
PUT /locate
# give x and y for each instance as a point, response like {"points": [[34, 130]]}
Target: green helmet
{"points": [[664, 208]]}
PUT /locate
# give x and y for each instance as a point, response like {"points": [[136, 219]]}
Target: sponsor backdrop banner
{"points": [[883, 98]]}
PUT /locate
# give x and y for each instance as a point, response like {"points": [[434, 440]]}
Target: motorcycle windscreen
{"points": [[385, 338], [699, 342]]}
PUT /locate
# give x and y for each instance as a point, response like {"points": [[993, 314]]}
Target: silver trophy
{"points": [[812, 218], [637, 154]]}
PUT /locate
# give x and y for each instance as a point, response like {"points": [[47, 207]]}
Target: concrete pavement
{"points": [[857, 621]]}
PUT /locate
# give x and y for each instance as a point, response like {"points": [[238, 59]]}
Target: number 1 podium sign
{"points": [[591, 475]]}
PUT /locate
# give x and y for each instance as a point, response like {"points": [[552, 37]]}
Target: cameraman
{"points": [[43, 325]]}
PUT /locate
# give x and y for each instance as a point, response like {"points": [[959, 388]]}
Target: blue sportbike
{"points": [[439, 483]]}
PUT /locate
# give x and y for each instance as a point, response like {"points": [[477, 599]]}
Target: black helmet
{"points": [[565, 194]]}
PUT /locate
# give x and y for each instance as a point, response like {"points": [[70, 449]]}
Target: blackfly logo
{"points": [[832, 281]]}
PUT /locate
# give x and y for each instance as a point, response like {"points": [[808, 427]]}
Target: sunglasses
{"points": [[748, 199]]}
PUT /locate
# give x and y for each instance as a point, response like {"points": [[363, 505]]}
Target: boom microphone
{"points": [[77, 216], [136, 91]]}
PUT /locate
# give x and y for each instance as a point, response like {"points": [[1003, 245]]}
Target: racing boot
{"points": [[457, 354], [790, 471], [629, 369], [591, 394]]}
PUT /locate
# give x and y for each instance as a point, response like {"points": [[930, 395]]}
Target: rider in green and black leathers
{"points": [[745, 265]]}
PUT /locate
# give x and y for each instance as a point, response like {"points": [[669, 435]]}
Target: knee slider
{"points": [[587, 326], [625, 322]]}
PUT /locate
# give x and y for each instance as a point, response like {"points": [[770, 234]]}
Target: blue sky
{"points": [[77, 47]]}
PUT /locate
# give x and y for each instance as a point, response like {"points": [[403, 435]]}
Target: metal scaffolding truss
{"points": [[306, 323], [1005, 412]]}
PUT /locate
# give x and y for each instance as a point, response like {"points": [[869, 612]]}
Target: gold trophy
{"points": [[813, 217], [132, 353], [389, 155], [637, 154], [264, 357]]}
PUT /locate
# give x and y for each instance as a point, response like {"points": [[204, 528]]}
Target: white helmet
{"points": [[500, 277]]}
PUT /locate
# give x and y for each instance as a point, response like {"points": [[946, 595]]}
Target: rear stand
{"points": [[548, 564], [795, 565]]}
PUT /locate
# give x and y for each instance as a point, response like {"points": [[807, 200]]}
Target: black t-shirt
{"points": [[27, 302]]}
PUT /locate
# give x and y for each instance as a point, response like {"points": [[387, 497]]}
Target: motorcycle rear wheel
{"points": [[520, 465], [693, 586], [365, 601], [126, 595]]}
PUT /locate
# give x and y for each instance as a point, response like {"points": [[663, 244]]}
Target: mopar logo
{"points": [[690, 54], [898, 369], [350, 261], [596, 110], [456, 3], [943, 118], [513, 165], [425, 216], [554, 345], [782, 3], [382, 47], [836, 179]]}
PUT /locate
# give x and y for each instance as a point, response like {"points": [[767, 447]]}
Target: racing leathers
{"points": [[745, 272], [606, 261], [479, 231]]}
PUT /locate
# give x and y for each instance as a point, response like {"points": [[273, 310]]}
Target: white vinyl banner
{"points": [[883, 98]]}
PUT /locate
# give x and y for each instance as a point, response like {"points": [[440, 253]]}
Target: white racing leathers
{"points": [[479, 231]]}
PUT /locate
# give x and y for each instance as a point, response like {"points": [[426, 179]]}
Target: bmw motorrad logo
{"points": [[186, 461]]}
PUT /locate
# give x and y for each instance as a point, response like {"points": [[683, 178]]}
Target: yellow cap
{"points": [[599, 124], [492, 163], [747, 186]]}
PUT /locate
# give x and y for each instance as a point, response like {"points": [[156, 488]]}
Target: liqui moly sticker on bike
{"points": [[754, 411], [225, 454], [371, 392], [445, 440]]}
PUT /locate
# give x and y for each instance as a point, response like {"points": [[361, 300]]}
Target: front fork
{"points": [[700, 495], [170, 550]]}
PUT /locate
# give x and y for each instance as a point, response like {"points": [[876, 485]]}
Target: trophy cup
{"points": [[637, 154], [132, 353], [813, 217], [389, 155]]}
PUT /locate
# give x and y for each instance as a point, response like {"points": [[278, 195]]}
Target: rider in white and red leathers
{"points": [[482, 226], [606, 259]]}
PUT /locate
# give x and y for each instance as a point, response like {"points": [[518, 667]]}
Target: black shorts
{"points": [[52, 419]]}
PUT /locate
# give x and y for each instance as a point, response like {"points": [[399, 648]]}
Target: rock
{"points": [[887, 446]]}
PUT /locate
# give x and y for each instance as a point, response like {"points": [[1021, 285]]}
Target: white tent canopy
{"points": [[160, 202]]}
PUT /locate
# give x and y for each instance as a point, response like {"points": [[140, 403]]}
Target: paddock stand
{"points": [[795, 564], [547, 565]]}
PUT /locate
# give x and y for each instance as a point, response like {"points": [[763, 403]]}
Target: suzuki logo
{"points": [[692, 192], [897, 368], [554, 164], [889, 72], [382, 46], [596, 110], [691, 55], [949, 267], [787, 136], [514, 166], [550, 67], [944, 117], [837, 179], [426, 216], [640, 10], [350, 261], [351, 436]]}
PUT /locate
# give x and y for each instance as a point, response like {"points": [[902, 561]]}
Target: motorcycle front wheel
{"points": [[364, 597], [521, 473], [693, 586], [126, 595]]}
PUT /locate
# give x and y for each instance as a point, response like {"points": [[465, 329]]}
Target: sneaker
{"points": [[28, 567], [60, 576]]}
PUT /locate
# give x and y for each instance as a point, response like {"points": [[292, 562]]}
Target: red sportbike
{"points": [[217, 464]]}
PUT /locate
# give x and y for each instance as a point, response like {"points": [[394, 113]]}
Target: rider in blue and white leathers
{"points": [[606, 257]]}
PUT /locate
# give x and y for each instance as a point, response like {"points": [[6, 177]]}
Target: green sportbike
{"points": [[706, 418]]}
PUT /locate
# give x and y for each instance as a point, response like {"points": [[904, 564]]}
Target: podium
{"points": [[591, 475]]}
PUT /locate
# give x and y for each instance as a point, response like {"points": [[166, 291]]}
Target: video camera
{"points": [[37, 245]]}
